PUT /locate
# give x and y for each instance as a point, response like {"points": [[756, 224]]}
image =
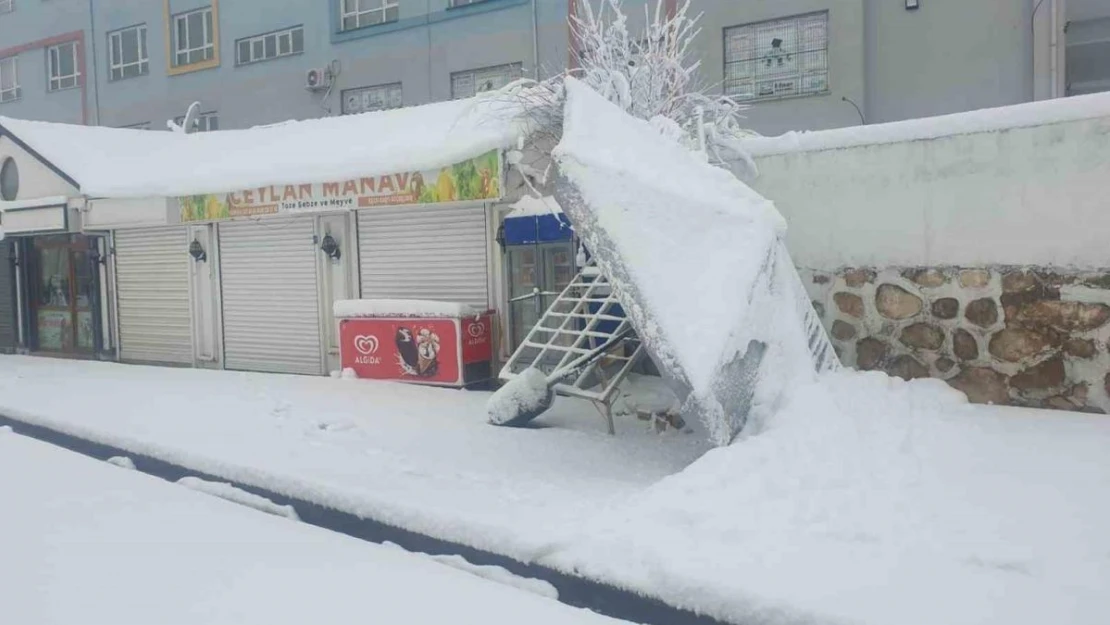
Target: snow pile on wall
{"points": [[983, 120], [696, 257], [115, 162]]}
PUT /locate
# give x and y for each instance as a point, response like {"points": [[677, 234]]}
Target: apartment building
{"points": [[801, 64]]}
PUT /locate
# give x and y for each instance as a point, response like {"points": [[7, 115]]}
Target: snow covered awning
{"points": [[536, 220], [695, 257], [115, 162]]}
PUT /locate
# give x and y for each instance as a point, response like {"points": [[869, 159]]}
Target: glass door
{"points": [[537, 274], [64, 288]]}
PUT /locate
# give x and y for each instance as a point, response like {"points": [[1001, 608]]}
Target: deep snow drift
{"points": [[868, 499], [86, 542], [864, 500]]}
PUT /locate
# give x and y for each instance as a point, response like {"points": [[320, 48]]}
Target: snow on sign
{"points": [[477, 178], [696, 259]]}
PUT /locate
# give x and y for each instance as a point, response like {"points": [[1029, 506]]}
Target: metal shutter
{"points": [[271, 308], [7, 298], [152, 284], [433, 253]]}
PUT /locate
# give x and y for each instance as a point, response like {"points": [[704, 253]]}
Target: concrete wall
{"points": [[947, 56], [978, 257], [1032, 195]]}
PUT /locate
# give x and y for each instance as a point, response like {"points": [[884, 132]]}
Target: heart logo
{"points": [[476, 329], [366, 344]]}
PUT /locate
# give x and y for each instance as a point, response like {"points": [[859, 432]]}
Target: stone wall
{"points": [[1003, 335]]}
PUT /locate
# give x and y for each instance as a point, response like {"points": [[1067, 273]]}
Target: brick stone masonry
{"points": [[1022, 336]]}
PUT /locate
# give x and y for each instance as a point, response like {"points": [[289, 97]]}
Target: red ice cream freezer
{"points": [[416, 341]]}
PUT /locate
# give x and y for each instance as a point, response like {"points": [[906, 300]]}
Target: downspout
{"points": [[1054, 69], [92, 51], [1033, 53], [535, 43]]}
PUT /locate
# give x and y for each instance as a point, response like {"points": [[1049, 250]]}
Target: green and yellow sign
{"points": [[474, 179]]}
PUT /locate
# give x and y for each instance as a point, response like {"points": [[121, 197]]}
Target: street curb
{"points": [[574, 591]]}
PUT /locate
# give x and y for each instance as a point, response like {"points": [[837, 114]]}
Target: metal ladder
{"points": [[583, 317]]}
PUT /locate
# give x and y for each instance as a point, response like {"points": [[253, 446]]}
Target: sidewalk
{"points": [[864, 500], [87, 542]]}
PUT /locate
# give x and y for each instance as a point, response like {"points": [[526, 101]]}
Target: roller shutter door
{"points": [[432, 253], [7, 299], [270, 303], [152, 283]]}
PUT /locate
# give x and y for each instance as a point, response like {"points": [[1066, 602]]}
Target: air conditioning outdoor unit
{"points": [[317, 78]]}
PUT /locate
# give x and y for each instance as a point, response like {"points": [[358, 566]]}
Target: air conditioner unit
{"points": [[317, 78]]}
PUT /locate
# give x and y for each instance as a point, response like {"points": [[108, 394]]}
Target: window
{"points": [[778, 59], [6, 6], [462, 3], [127, 53], [9, 79], [193, 37], [139, 126], [270, 46], [470, 83], [377, 98], [205, 122], [359, 13], [61, 63]]}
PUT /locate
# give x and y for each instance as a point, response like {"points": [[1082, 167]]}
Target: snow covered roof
{"points": [[684, 242], [117, 162], [983, 120]]}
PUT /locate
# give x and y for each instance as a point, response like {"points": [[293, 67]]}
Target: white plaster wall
{"points": [[1038, 195], [130, 212], [35, 179]]}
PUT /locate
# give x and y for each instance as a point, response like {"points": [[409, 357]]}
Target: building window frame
{"points": [[762, 69], [207, 121], [285, 42], [184, 53], [391, 95], [512, 71], [56, 78], [356, 14], [118, 68], [10, 91]]}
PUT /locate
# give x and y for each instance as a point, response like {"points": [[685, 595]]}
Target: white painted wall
{"points": [[1033, 195], [35, 179], [107, 213]]}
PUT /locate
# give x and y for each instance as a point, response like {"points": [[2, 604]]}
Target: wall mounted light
{"points": [[913, 5], [196, 250], [330, 247]]}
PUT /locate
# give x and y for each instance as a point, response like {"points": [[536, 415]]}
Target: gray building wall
{"points": [[946, 56]]}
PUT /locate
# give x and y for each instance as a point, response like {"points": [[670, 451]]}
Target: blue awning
{"points": [[531, 229]]}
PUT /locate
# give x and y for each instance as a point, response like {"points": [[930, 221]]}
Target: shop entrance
{"points": [[63, 284]]}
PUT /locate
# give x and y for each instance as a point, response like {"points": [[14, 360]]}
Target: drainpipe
{"points": [[92, 51], [535, 43], [1054, 69]]}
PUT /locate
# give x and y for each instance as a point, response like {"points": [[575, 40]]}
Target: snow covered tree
{"points": [[651, 75]]}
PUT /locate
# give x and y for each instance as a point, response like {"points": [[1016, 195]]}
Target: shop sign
{"points": [[478, 178]]}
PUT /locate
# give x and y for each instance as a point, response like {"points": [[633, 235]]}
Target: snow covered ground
{"points": [[422, 458], [864, 500], [83, 541]]}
